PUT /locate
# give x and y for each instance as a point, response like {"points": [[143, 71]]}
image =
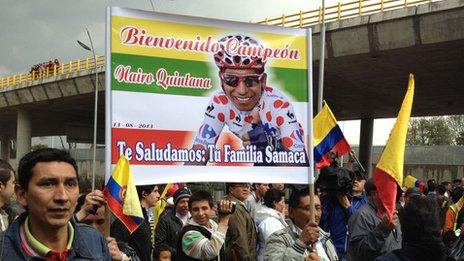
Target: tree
{"points": [[430, 131], [456, 123]]}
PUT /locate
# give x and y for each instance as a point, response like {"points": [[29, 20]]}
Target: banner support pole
{"points": [[309, 142]]}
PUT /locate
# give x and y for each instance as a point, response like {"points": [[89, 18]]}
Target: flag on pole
{"points": [[328, 137], [121, 195], [388, 173]]}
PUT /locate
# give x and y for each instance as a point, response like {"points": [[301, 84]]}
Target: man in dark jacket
{"points": [[241, 237], [369, 234], [49, 188], [338, 208], [421, 229], [171, 223]]}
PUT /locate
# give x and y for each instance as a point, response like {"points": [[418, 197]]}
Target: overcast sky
{"points": [[36, 31]]}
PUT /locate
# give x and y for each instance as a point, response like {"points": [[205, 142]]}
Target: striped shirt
{"points": [[195, 245], [35, 248]]}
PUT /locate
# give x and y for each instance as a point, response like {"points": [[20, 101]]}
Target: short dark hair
{"points": [[158, 249], [419, 219], [296, 196], [231, 185], [201, 195], [27, 163], [5, 171], [271, 196], [144, 188], [441, 189]]}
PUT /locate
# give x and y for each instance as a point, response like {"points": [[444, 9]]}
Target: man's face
{"points": [[51, 194], [165, 256], [240, 190], [358, 185], [261, 189], [201, 211], [182, 206], [96, 221], [243, 86], [279, 186], [300, 215], [448, 187], [152, 198], [7, 189]]}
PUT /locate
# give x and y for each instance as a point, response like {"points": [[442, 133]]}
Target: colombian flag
{"points": [[411, 181], [388, 173], [121, 195], [328, 137]]}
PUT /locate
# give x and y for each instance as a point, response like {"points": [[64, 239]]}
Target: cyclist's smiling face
{"points": [[243, 86]]}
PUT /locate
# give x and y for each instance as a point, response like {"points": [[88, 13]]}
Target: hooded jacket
{"points": [[268, 221]]}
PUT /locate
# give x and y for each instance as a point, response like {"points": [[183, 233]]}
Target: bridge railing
{"points": [[340, 11], [54, 71]]}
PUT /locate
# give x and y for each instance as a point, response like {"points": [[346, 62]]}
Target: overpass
{"points": [[368, 58]]}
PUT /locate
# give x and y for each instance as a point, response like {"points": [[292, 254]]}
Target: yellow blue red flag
{"points": [[328, 137], [388, 173], [121, 195]]}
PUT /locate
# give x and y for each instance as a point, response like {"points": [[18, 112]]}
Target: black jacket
{"points": [[167, 231], [140, 240]]}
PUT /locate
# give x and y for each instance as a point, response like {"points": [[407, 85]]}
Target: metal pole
{"points": [[95, 111], [320, 93], [152, 5], [310, 145]]}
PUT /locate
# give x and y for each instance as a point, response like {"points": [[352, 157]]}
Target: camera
{"points": [[221, 212], [335, 179]]}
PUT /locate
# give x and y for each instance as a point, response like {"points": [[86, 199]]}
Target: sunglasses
{"points": [[249, 80]]}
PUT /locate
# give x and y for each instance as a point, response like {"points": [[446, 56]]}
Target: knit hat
{"points": [[180, 194]]}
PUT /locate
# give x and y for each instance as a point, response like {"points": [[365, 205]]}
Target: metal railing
{"points": [[57, 71], [340, 11]]}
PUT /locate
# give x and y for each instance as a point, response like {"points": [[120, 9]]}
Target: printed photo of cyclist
{"points": [[258, 114]]}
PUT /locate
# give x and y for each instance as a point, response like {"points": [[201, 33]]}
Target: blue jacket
{"points": [[88, 243], [335, 217]]}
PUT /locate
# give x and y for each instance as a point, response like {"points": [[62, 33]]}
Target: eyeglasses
{"points": [[241, 185], [249, 80]]}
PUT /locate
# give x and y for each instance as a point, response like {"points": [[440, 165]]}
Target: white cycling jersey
{"points": [[275, 111]]}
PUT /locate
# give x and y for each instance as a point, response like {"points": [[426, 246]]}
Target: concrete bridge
{"points": [[368, 59]]}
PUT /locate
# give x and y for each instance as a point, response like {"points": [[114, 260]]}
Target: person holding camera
{"points": [[202, 238], [343, 195]]}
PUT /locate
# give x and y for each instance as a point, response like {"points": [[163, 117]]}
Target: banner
{"points": [[198, 100]]}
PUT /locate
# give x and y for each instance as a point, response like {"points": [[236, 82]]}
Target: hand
{"points": [[313, 256], [390, 224], [115, 253], [225, 206], [255, 120], [344, 201], [93, 201], [310, 233]]}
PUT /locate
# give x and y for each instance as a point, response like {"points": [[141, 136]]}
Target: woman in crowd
{"points": [[270, 217]]}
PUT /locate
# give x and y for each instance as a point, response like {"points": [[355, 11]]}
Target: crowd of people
{"points": [[57, 223], [42, 68]]}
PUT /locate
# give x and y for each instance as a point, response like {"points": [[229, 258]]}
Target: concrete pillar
{"points": [[23, 134], [5, 149], [365, 144]]}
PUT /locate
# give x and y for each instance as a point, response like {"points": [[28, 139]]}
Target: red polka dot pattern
{"points": [[221, 117], [269, 116], [287, 142]]}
